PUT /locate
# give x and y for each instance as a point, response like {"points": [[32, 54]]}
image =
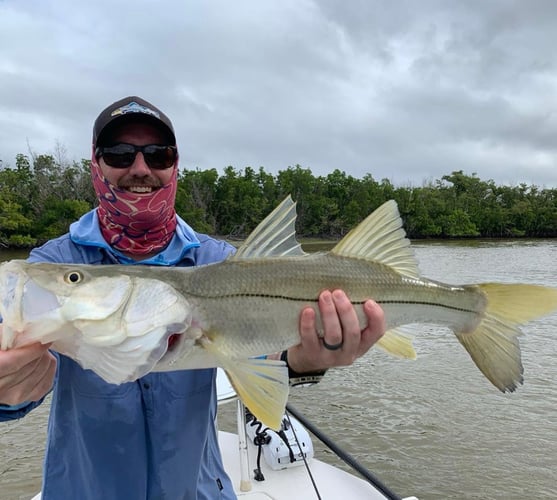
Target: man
{"points": [[155, 437]]}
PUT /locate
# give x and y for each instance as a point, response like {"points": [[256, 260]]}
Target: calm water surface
{"points": [[434, 427]]}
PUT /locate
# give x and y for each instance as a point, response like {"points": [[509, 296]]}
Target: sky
{"points": [[403, 90]]}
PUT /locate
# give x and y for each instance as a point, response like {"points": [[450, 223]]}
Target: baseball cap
{"points": [[129, 108]]}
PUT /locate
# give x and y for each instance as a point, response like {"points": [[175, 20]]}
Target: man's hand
{"points": [[343, 341], [26, 373]]}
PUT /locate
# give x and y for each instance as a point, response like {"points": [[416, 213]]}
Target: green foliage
{"points": [[41, 196], [458, 225], [21, 241], [194, 197], [57, 216], [13, 223]]}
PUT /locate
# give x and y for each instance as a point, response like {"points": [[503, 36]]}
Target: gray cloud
{"points": [[399, 89]]}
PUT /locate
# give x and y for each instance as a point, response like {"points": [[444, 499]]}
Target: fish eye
{"points": [[73, 277]]}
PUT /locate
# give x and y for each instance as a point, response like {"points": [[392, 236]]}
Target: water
{"points": [[434, 427]]}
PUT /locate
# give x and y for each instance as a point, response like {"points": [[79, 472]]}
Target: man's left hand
{"points": [[342, 340]]}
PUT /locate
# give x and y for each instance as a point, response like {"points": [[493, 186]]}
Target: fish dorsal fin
{"points": [[381, 238], [274, 236]]}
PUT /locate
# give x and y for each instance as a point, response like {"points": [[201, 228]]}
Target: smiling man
{"points": [[135, 225], [154, 437]]}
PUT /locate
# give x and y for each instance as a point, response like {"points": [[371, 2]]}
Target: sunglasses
{"points": [[122, 155]]}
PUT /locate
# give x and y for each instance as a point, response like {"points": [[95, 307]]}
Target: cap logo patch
{"points": [[134, 107]]}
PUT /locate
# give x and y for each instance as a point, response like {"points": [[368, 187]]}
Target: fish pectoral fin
{"points": [[262, 385], [494, 344], [127, 361], [398, 344]]}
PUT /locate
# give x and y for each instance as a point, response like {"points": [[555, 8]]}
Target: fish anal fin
{"points": [[274, 236], [262, 385], [381, 238], [397, 344]]}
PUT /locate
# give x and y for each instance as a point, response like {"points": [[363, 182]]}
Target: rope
{"points": [[347, 458], [262, 438]]}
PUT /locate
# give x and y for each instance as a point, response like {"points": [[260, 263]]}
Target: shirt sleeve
{"points": [[17, 411]]}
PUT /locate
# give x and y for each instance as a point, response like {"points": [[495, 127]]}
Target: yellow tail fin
{"points": [[494, 345]]}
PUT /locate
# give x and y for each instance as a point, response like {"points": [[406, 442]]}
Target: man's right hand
{"points": [[26, 373]]}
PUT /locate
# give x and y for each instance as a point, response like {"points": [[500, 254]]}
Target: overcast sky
{"points": [[405, 90]]}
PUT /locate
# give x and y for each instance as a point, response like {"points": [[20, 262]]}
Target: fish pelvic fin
{"points": [[262, 385], [398, 344], [275, 236], [494, 344], [129, 360], [381, 238]]}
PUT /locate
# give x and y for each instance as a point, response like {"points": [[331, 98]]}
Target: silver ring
{"points": [[332, 347]]}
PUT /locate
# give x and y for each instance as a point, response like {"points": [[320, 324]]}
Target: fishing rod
{"points": [[343, 455]]}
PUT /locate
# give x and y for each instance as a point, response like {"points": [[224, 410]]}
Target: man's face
{"points": [[138, 177]]}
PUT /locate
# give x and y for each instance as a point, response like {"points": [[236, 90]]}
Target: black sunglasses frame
{"points": [[122, 155]]}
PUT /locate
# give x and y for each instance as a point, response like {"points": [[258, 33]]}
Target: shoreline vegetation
{"points": [[41, 195]]}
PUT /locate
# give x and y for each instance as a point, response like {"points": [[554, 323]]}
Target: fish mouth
{"points": [[23, 304], [173, 342], [177, 344]]}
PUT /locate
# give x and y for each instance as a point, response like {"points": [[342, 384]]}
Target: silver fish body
{"points": [[258, 302]]}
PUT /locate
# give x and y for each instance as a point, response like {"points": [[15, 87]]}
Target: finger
{"points": [[304, 357], [375, 327], [17, 364], [308, 330], [13, 383], [15, 359], [30, 383], [44, 377], [332, 328], [350, 324]]}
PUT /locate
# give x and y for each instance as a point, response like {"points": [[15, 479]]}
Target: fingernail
{"points": [[338, 294]]}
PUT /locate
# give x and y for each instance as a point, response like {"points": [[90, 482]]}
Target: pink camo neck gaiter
{"points": [[136, 223]]}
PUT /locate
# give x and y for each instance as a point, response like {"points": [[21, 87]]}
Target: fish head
{"points": [[37, 299], [22, 303], [108, 318]]}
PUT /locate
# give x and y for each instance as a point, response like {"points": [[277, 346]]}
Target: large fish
{"points": [[117, 320]]}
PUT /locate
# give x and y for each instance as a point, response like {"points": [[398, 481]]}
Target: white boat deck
{"points": [[294, 482]]}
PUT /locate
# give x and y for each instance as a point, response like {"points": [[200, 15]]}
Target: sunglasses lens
{"points": [[123, 155], [159, 157], [119, 156]]}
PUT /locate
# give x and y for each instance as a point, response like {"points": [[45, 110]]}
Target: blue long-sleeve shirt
{"points": [[154, 438]]}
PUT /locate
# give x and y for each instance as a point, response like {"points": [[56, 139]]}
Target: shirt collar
{"points": [[86, 231]]}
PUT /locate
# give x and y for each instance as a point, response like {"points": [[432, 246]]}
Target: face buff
{"points": [[136, 223]]}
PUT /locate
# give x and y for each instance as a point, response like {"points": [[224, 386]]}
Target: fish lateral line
{"points": [[354, 302], [424, 303]]}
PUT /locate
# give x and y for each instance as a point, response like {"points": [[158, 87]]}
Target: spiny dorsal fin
{"points": [[274, 236], [381, 238]]}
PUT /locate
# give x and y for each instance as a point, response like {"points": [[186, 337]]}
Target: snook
{"points": [[116, 320]]}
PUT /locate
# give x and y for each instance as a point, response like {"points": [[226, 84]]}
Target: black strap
{"points": [[301, 378]]}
